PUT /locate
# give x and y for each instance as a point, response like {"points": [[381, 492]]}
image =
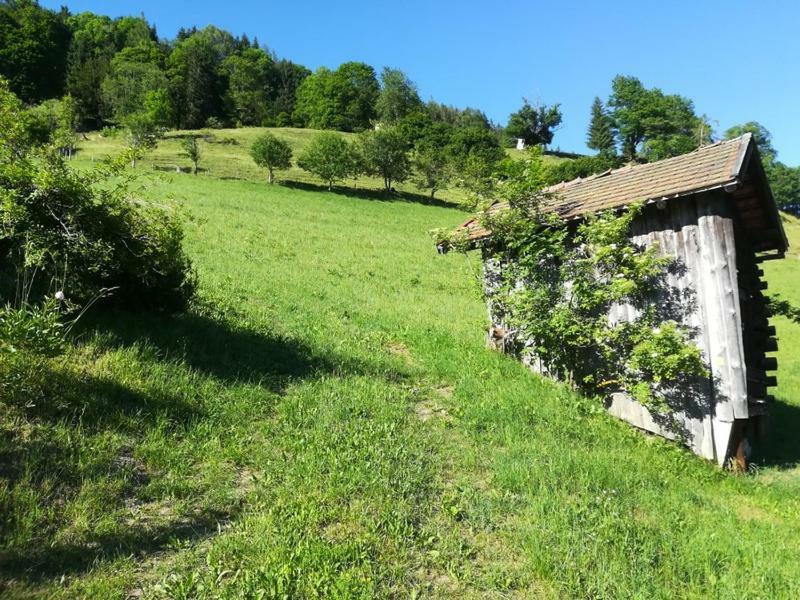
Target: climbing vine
{"points": [[555, 286]]}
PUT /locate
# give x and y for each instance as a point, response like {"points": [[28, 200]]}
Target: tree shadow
{"points": [[784, 308], [93, 405], [214, 347], [80, 405], [65, 558], [372, 194]]}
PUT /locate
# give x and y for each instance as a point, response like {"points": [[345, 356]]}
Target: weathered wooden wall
{"points": [[699, 231]]}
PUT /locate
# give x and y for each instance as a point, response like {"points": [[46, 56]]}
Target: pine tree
{"points": [[601, 133]]}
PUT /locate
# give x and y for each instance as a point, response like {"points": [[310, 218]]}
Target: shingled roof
{"points": [[732, 165]]}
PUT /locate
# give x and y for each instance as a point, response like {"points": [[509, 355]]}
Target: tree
{"points": [[343, 99], [651, 125], [133, 74], [385, 155], [398, 96], [784, 181], [248, 85], [65, 136], [196, 78], [143, 133], [284, 79], [53, 122], [96, 40], [33, 50], [474, 153], [535, 125], [433, 166], [432, 169], [328, 156], [458, 117], [761, 136], [272, 153], [191, 150], [601, 131]]}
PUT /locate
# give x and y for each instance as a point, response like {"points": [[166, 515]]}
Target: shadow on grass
{"points": [[44, 462], [371, 194], [784, 308], [230, 354], [63, 558], [780, 447]]}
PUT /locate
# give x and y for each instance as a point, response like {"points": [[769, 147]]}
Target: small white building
{"points": [[520, 144]]}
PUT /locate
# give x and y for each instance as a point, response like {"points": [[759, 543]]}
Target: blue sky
{"points": [[738, 60]]}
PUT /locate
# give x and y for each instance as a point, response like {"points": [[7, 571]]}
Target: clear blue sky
{"points": [[738, 60]]}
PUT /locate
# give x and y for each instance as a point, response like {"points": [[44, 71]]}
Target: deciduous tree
{"points": [[385, 155], [783, 180], [651, 125], [33, 50], [534, 124], [249, 85], [328, 156], [343, 99], [272, 153], [398, 96]]}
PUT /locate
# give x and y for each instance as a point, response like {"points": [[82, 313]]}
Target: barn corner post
{"points": [[711, 211]]}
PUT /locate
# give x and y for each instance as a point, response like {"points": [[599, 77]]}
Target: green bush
{"points": [[580, 167], [29, 336], [81, 229]]}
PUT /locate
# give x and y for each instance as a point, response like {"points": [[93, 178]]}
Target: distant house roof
{"points": [[732, 165]]}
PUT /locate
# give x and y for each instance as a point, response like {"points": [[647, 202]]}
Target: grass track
{"points": [[326, 422]]}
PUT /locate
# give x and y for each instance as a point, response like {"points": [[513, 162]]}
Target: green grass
{"points": [[327, 422], [226, 155]]}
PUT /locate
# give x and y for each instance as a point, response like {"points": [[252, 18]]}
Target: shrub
{"points": [[191, 150], [29, 336], [584, 166], [214, 123], [330, 157], [143, 134], [81, 229], [271, 153]]}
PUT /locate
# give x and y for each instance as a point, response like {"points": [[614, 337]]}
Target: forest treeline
{"points": [[117, 72]]}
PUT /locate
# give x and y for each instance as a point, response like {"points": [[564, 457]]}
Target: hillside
{"points": [[226, 155], [327, 421]]}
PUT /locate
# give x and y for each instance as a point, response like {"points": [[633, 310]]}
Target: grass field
{"points": [[327, 422], [226, 155]]}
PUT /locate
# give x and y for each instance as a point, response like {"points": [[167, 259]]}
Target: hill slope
{"points": [[326, 421]]}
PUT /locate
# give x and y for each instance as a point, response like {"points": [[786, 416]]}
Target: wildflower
{"points": [[60, 296]]}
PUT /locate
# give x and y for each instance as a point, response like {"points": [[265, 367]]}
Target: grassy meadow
{"points": [[326, 422]]}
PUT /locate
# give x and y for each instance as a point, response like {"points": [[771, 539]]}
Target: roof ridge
{"points": [[629, 167]]}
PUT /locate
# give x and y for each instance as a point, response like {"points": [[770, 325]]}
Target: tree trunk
{"points": [[330, 185], [270, 178], [133, 162], [433, 191]]}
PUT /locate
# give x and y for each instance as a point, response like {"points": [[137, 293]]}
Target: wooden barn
{"points": [[712, 210]]}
